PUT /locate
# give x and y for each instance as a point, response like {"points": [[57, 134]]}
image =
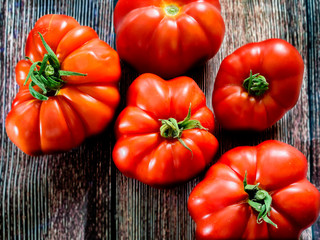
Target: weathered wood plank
{"points": [[67, 196], [313, 9], [81, 194]]}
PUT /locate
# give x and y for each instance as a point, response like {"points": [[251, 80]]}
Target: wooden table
{"points": [[81, 194]]}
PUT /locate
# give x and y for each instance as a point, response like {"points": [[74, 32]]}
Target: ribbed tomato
{"points": [[164, 135], [255, 193], [167, 37], [71, 91], [257, 84]]}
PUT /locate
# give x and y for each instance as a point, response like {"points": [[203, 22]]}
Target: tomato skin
{"points": [[282, 66], [22, 69], [64, 120], [218, 204], [142, 153], [152, 41], [52, 27]]}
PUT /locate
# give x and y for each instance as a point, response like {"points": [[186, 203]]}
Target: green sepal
{"points": [[172, 129], [259, 200], [50, 83], [37, 81], [256, 84], [185, 145], [30, 59], [262, 212], [57, 79], [187, 118], [47, 78], [54, 83], [50, 52], [190, 124], [33, 66], [43, 64], [167, 129], [68, 73], [268, 220], [256, 206], [36, 94]]}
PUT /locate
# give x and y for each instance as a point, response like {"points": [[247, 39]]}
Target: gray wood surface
{"points": [[81, 194]]}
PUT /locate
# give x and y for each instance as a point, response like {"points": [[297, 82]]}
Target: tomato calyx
{"points": [[171, 10], [172, 129], [256, 84], [46, 74], [260, 200]]}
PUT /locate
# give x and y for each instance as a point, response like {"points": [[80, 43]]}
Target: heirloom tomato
{"points": [[257, 84], [164, 135], [167, 37], [255, 193], [68, 87]]}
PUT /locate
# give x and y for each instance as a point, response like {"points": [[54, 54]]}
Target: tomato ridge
{"points": [[65, 115]]}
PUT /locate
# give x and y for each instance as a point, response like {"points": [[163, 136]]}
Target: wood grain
{"points": [[313, 20], [81, 194]]}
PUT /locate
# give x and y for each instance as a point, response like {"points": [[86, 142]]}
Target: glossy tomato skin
{"points": [[83, 106], [282, 66], [142, 153], [152, 41], [218, 204]]}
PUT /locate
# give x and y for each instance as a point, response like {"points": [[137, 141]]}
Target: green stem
{"points": [[172, 129], [49, 70], [260, 200], [171, 10], [256, 84], [48, 77]]}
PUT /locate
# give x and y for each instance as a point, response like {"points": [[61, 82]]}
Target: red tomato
{"points": [[81, 105], [168, 37], [220, 204], [272, 92], [147, 148]]}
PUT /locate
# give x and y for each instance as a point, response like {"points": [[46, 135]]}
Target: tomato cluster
{"points": [[69, 90]]}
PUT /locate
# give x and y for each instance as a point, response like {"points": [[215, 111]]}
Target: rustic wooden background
{"points": [[81, 194]]}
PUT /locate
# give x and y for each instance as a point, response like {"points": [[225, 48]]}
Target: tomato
{"points": [[167, 37], [58, 113], [164, 135], [223, 204], [272, 70]]}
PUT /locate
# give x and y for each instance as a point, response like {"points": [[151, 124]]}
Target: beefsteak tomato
{"points": [[167, 37], [164, 135], [257, 84], [58, 108], [255, 193]]}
